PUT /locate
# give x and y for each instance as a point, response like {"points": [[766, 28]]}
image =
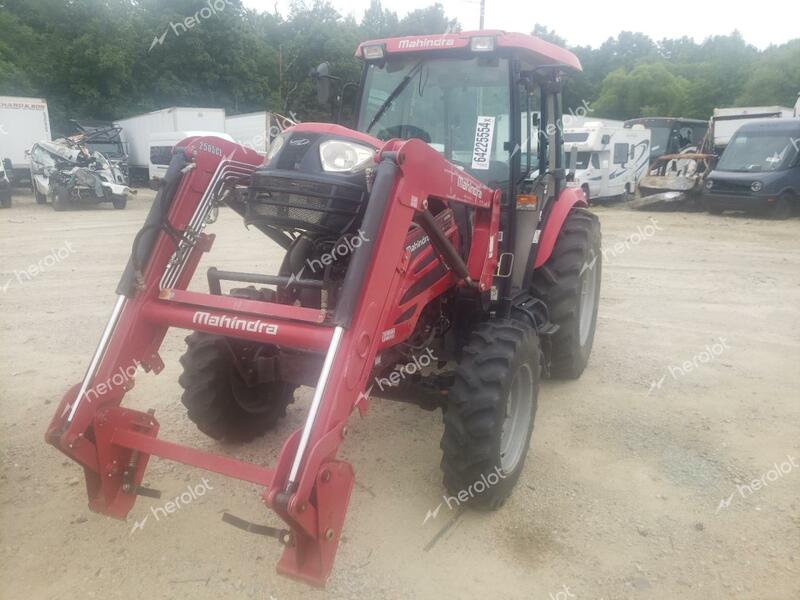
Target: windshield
{"points": [[107, 148], [659, 141], [460, 107], [756, 151]]}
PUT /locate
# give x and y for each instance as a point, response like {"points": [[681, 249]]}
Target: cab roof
{"points": [[528, 48]]}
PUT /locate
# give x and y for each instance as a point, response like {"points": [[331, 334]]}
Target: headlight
{"points": [[709, 184], [342, 157], [756, 186], [276, 146]]}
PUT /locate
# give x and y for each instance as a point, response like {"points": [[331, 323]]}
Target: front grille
{"points": [[722, 186], [304, 202]]}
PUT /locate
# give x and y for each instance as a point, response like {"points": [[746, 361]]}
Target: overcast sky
{"points": [[592, 22]]}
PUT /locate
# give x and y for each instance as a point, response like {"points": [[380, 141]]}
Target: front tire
{"points": [[218, 399], [61, 199], [119, 202], [490, 411], [569, 284], [782, 209]]}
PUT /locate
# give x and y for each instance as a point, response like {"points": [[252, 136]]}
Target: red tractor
{"points": [[436, 254]]}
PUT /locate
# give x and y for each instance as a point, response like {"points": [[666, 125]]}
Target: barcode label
{"points": [[482, 150]]}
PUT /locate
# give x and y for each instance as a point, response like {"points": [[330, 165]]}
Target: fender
{"points": [[569, 198]]}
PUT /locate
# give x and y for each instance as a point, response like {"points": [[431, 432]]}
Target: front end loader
{"points": [[434, 254]]}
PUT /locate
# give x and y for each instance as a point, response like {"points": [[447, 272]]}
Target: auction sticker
{"points": [[484, 132]]}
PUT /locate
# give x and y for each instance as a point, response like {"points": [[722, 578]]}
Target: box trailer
{"points": [[726, 121], [23, 122], [136, 132], [249, 130]]}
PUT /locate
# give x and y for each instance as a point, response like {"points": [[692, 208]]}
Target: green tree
{"points": [[647, 90]]}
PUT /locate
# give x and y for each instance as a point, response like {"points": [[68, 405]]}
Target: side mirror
{"points": [[321, 76]]}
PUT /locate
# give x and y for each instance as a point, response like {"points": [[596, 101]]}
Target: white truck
{"points": [[23, 122], [608, 161], [136, 132], [160, 153]]}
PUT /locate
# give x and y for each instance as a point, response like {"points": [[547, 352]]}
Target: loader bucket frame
{"points": [[308, 487]]}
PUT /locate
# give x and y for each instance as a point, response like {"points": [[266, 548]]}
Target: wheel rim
{"points": [[589, 280], [252, 400], [519, 407]]}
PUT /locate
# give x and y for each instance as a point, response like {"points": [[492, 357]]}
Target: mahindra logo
{"points": [[234, 323], [437, 42], [299, 141]]}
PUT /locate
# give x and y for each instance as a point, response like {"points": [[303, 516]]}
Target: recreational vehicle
{"points": [[608, 161], [671, 135]]}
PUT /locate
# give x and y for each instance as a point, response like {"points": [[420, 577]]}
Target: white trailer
{"points": [[136, 131], [608, 161], [249, 130], [727, 120], [23, 122]]}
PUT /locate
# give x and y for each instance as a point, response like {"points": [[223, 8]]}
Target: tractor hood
{"points": [[315, 179]]}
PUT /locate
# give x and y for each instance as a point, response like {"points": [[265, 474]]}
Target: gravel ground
{"points": [[639, 482]]}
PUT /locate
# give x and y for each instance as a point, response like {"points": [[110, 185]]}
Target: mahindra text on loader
{"points": [[455, 254]]}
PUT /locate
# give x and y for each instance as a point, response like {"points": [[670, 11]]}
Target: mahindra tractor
{"points": [[437, 254]]}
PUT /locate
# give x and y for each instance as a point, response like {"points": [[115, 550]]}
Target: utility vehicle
{"points": [[408, 239]]}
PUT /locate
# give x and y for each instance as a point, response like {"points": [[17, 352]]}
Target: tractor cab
{"points": [[482, 99], [489, 102]]}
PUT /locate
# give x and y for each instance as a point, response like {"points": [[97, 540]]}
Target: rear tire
{"points": [[569, 284], [219, 401], [40, 197], [490, 411]]}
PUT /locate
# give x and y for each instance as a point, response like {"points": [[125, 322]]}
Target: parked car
{"points": [[66, 172], [759, 169]]}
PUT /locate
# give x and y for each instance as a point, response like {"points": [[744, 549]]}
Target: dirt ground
{"points": [[639, 482]]}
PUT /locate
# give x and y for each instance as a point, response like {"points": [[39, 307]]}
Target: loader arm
{"points": [[308, 487]]}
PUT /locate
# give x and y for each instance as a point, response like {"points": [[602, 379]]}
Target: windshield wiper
{"points": [[394, 94]]}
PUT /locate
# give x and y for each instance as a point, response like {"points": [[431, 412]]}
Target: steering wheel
{"points": [[404, 131]]}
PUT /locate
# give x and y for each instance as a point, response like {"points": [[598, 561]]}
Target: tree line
{"points": [[108, 59]]}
